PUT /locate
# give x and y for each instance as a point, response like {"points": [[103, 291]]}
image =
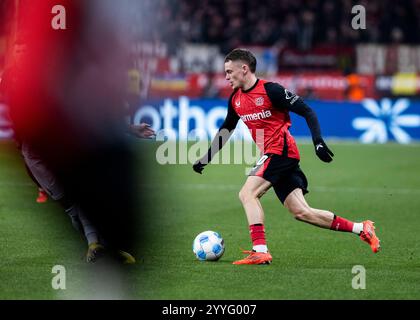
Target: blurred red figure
{"points": [[67, 107]]}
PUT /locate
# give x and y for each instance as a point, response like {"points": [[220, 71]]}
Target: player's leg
{"points": [[42, 195], [48, 182], [296, 204], [250, 194], [290, 189], [266, 172]]}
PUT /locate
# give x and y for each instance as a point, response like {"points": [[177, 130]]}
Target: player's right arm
{"points": [[222, 136]]}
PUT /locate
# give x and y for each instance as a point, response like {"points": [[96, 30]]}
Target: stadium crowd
{"points": [[161, 30], [297, 23], [300, 24]]}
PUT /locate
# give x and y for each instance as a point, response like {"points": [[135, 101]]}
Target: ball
{"points": [[208, 246]]}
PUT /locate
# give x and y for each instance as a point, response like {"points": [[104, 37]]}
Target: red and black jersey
{"points": [[267, 123], [264, 108]]}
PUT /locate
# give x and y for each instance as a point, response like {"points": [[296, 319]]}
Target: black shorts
{"points": [[284, 174]]}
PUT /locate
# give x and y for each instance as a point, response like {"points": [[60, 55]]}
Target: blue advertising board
{"points": [[370, 121]]}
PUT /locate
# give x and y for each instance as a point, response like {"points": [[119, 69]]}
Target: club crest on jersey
{"points": [[259, 101], [238, 103]]}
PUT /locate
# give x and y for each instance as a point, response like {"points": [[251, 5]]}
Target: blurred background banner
{"points": [[368, 121], [177, 48]]}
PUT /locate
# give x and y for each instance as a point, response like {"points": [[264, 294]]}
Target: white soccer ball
{"points": [[208, 245]]}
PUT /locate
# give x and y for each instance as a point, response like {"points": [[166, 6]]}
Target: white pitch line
{"points": [[368, 190], [231, 187], [234, 187]]}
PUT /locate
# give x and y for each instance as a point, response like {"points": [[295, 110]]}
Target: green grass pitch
{"points": [[379, 182]]}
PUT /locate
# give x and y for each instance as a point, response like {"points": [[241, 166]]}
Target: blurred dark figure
{"points": [[67, 104]]}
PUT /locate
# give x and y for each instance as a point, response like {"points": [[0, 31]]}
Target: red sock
{"points": [[257, 234], [341, 224]]}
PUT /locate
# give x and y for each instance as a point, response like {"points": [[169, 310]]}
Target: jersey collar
{"points": [[255, 84]]}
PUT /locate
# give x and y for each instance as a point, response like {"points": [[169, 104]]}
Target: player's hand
{"points": [[198, 167], [323, 152], [143, 130]]}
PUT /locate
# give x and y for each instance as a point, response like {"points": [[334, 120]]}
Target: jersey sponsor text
{"points": [[256, 116]]}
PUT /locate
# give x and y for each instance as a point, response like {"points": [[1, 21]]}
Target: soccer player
{"points": [[264, 107]]}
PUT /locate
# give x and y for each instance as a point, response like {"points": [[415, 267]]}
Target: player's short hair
{"points": [[243, 55]]}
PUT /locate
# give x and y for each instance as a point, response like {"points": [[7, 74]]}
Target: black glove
{"points": [[198, 167], [322, 151]]}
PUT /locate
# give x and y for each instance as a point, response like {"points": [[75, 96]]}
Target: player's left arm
{"points": [[282, 98], [222, 136]]}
